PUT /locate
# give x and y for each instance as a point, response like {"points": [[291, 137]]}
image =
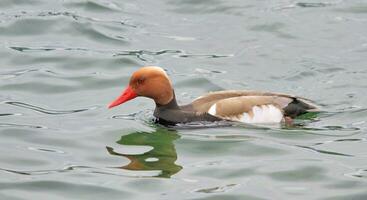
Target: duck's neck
{"points": [[171, 104]]}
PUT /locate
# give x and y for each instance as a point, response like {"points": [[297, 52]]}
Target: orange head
{"points": [[151, 82]]}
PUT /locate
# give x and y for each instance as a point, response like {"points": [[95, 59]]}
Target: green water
{"points": [[63, 61]]}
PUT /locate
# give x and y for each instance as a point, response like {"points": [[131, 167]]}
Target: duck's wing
{"points": [[251, 104]]}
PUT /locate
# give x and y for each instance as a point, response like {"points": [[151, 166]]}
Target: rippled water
{"points": [[63, 61]]}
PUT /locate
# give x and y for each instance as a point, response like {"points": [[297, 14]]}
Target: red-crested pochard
{"points": [[233, 105]]}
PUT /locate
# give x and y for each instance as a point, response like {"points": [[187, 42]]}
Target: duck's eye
{"points": [[140, 81]]}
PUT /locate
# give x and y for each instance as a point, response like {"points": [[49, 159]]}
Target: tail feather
{"points": [[300, 106]]}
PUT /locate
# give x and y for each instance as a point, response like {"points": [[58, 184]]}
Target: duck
{"points": [[246, 106]]}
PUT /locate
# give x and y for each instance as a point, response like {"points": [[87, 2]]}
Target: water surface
{"points": [[62, 62]]}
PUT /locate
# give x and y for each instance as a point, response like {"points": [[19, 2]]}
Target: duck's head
{"points": [[151, 82]]}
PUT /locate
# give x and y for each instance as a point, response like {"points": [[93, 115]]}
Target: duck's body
{"points": [[242, 106]]}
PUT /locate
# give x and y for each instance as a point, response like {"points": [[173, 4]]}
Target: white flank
{"points": [[213, 109], [263, 114]]}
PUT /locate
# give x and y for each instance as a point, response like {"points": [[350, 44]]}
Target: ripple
{"points": [[131, 116], [218, 189], [24, 49], [115, 171], [340, 140], [37, 172], [46, 150], [71, 15], [94, 6], [15, 73], [79, 17], [207, 7], [207, 71], [307, 5], [203, 124], [145, 116], [359, 173], [204, 56], [313, 5], [324, 151], [15, 171], [47, 111], [23, 125], [95, 34], [10, 114], [82, 27], [328, 128], [143, 55]]}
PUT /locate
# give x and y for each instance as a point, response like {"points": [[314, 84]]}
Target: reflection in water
{"points": [[162, 157]]}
